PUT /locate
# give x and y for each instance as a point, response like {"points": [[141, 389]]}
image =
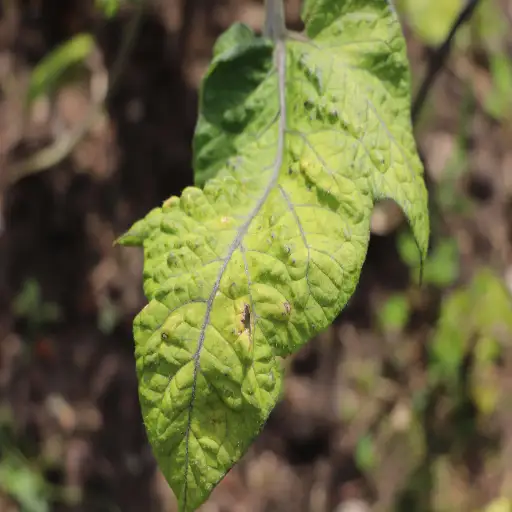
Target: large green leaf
{"points": [[296, 141]]}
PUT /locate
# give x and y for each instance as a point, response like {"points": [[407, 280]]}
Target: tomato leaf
{"points": [[296, 141]]}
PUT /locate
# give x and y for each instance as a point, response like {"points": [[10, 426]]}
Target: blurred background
{"points": [[404, 404]]}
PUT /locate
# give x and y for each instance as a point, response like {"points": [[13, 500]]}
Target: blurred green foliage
{"points": [[394, 313], [23, 483], [430, 19], [66, 61], [111, 7], [475, 321], [365, 453], [58, 66], [498, 103], [462, 389], [447, 193], [108, 7], [30, 306], [442, 265]]}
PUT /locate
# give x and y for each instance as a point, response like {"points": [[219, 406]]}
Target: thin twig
{"points": [[438, 58], [435, 64], [64, 145]]}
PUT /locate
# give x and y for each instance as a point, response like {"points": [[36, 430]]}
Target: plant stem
{"points": [[438, 58], [275, 23]]}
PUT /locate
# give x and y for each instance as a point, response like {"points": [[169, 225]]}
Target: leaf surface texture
{"points": [[295, 142]]}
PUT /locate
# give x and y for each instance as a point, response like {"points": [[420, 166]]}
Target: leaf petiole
{"points": [[275, 23]]}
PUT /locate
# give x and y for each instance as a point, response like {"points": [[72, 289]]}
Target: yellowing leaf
{"points": [[296, 141]]}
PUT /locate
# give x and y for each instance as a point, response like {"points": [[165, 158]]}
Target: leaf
{"points": [[431, 20], [442, 266], [492, 305], [109, 7], [30, 304], [364, 453], [394, 313], [497, 101], [477, 317], [24, 484], [48, 73], [450, 341], [295, 143]]}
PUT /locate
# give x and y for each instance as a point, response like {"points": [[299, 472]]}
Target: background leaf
{"points": [[52, 68], [431, 19], [109, 7]]}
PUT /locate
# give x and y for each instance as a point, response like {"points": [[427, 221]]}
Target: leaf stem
{"points": [[439, 56], [275, 24]]}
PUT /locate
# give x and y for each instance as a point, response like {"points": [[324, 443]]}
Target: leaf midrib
{"points": [[280, 65]]}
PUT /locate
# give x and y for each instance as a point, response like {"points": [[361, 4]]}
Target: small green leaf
{"points": [[450, 342], [109, 7], [365, 455], [484, 385], [23, 483], [498, 101], [441, 267], [295, 142], [481, 313], [30, 305], [492, 312], [49, 72], [394, 313], [408, 250]]}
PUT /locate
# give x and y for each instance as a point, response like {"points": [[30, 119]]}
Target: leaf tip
{"points": [[134, 237]]}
